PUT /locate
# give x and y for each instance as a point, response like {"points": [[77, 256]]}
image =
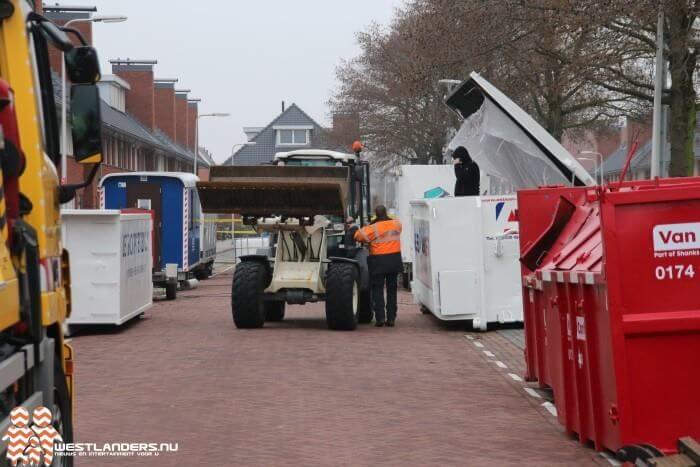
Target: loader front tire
{"points": [[342, 296], [274, 311], [247, 304]]}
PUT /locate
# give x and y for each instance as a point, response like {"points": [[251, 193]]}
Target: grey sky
{"points": [[240, 56]]}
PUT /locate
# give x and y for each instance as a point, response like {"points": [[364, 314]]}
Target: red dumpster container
{"points": [[539, 205], [619, 273]]}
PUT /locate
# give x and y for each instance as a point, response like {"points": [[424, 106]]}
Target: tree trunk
{"points": [[682, 96]]}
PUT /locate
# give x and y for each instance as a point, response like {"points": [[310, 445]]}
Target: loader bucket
{"points": [[268, 190]]}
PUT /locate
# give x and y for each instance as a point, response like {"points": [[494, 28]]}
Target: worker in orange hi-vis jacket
{"points": [[383, 236]]}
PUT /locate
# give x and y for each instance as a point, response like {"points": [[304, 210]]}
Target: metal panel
{"points": [[467, 301], [12, 368]]}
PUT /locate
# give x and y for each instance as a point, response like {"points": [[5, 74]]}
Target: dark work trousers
{"points": [[378, 281]]}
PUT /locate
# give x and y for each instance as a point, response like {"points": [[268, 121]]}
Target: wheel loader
{"points": [[301, 201]]}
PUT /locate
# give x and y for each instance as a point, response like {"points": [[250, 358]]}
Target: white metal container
{"points": [[466, 258], [111, 261], [413, 182]]}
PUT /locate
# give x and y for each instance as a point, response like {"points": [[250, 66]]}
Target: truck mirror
{"points": [[86, 124], [82, 65]]}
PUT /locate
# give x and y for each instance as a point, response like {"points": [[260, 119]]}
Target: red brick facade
{"points": [[165, 109], [140, 99], [192, 113], [181, 121]]}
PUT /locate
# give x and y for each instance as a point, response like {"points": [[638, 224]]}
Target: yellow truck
{"points": [[36, 364]]}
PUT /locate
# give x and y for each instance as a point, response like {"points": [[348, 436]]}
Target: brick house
{"points": [[147, 125]]}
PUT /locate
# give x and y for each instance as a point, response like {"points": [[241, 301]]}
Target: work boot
{"points": [[390, 323], [379, 324]]}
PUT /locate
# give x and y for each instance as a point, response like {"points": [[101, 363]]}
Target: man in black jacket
{"points": [[467, 172]]}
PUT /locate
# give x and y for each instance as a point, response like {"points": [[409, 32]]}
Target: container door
{"points": [[147, 196], [460, 293]]}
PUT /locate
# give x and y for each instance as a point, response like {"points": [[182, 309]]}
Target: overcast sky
{"points": [[240, 56]]}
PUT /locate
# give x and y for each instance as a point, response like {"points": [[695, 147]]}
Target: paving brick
{"points": [[295, 393]]}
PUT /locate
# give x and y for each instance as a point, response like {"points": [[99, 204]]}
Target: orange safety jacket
{"points": [[384, 237]]}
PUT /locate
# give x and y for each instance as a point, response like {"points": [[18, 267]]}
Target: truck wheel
{"points": [[247, 302], [365, 314], [200, 274], [62, 412], [274, 311], [171, 291], [342, 297]]}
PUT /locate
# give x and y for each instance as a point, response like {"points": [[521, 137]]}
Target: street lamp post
{"points": [[598, 157], [196, 134], [236, 146], [64, 100]]}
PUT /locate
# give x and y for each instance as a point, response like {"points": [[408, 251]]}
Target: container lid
{"points": [[470, 98], [187, 179]]}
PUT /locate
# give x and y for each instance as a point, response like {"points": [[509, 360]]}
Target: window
{"points": [[293, 137]]}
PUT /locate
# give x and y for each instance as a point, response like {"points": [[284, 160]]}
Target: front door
{"points": [[147, 196]]}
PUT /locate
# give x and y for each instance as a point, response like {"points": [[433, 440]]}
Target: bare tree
{"points": [[571, 63]]}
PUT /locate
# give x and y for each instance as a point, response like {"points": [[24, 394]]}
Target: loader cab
{"points": [[359, 207]]}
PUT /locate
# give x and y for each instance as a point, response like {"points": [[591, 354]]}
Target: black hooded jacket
{"points": [[468, 178]]}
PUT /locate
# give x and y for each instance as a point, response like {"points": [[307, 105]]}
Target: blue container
{"points": [[173, 198]]}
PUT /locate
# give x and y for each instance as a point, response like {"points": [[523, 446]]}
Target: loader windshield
{"points": [[312, 162]]}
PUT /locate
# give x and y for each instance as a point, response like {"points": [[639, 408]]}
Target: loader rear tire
{"points": [[247, 304], [365, 315], [274, 311], [342, 296], [171, 291]]}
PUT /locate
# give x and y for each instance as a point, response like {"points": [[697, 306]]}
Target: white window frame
{"points": [[292, 128]]}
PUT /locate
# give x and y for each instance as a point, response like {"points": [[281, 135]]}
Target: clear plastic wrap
{"points": [[504, 151]]}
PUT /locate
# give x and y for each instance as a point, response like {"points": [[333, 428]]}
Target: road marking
{"points": [[611, 460], [533, 393], [550, 408], [479, 344], [501, 364], [225, 270], [488, 353], [515, 377], [471, 338]]}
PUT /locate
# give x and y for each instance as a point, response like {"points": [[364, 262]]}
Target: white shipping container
{"points": [[466, 249], [111, 261], [466, 258], [413, 182]]}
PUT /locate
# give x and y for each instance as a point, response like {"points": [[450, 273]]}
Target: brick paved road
{"points": [[294, 393]]}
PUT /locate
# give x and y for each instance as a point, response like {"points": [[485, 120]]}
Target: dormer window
{"points": [[293, 135]]}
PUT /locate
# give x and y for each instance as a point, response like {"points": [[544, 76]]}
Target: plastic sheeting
{"points": [[505, 152]]}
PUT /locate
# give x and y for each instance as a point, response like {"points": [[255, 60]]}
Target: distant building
{"points": [[292, 129], [614, 146], [147, 125]]}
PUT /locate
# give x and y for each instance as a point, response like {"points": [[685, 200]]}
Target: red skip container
{"points": [[611, 284]]}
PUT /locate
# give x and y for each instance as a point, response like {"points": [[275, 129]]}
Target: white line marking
{"points": [[501, 364], [515, 377], [225, 270], [533, 393], [471, 338], [479, 344], [488, 353], [611, 460], [550, 408]]}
